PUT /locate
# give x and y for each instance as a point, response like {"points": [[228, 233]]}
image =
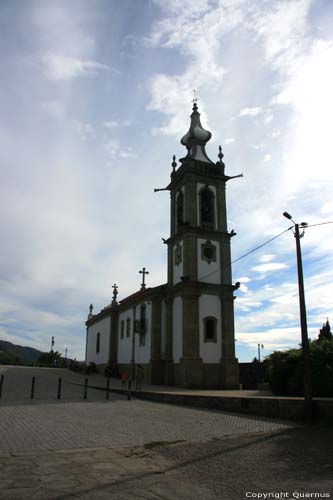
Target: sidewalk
{"points": [[254, 402]]}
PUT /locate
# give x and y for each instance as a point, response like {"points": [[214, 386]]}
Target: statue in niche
{"points": [[207, 207], [180, 208]]}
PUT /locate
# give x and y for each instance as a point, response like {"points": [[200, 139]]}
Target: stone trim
{"points": [[205, 321]]}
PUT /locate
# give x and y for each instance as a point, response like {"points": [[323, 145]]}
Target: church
{"points": [[180, 332]]}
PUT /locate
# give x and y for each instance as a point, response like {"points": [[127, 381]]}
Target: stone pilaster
{"points": [[156, 364], [168, 372], [190, 365], [113, 349], [229, 364]]}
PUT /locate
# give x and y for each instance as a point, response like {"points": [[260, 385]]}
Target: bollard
{"points": [[85, 388], [59, 388], [129, 390], [107, 388], [1, 384], [32, 388]]}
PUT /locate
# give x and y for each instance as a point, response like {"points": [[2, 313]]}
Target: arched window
{"points": [[210, 327], [207, 219], [180, 209], [98, 343]]}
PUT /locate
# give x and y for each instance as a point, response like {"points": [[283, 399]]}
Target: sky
{"points": [[94, 98]]}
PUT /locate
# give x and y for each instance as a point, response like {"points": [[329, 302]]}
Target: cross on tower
{"points": [[143, 272], [195, 98], [115, 293]]}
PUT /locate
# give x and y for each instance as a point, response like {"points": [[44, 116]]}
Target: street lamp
{"points": [[304, 328]]}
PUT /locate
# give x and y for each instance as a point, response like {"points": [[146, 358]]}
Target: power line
{"points": [[319, 224], [262, 245], [248, 253]]}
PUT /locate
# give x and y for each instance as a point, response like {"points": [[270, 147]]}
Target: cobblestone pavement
{"points": [[117, 422], [120, 449], [284, 464]]}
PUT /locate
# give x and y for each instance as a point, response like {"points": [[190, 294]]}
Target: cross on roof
{"points": [[195, 98], [143, 272]]}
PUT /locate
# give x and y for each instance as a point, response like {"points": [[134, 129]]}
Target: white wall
{"points": [[204, 268], [177, 270], [213, 188], [102, 327], [125, 344], [210, 305], [163, 329], [177, 327], [143, 353]]}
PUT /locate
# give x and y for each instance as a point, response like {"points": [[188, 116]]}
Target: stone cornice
{"points": [[130, 301], [207, 234], [197, 169]]}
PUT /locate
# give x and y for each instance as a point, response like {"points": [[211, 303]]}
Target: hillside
{"points": [[26, 355]]}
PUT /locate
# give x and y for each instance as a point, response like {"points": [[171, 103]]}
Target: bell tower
{"points": [[200, 343]]}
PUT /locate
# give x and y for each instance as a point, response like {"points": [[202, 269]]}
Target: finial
{"points": [[90, 315], [115, 293], [220, 155], [195, 100], [174, 164]]}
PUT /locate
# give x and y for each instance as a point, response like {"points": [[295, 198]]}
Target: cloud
{"points": [[59, 67], [116, 124], [56, 108], [251, 111], [85, 130], [229, 140], [115, 150], [272, 266], [266, 258]]}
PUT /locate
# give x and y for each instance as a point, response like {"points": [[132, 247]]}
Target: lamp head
{"points": [[288, 216]]}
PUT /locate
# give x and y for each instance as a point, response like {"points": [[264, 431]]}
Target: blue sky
{"points": [[94, 98]]}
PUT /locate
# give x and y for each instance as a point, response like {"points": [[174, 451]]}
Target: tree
{"points": [[52, 358], [325, 332], [285, 370], [9, 359]]}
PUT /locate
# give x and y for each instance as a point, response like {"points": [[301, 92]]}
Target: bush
{"points": [[285, 370]]}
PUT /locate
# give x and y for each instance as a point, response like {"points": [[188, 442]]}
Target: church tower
{"points": [[200, 343]]}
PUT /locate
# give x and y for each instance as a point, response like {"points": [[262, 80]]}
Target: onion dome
{"points": [[196, 138]]}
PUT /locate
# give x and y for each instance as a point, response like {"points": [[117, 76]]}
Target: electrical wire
{"points": [[248, 253], [319, 224], [262, 245]]}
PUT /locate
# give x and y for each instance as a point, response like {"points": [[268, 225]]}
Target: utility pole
{"points": [[260, 346], [308, 408]]}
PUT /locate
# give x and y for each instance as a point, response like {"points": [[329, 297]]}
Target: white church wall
{"points": [[212, 269], [177, 327], [102, 327], [213, 188], [210, 305], [125, 342], [177, 269], [142, 352], [163, 329]]}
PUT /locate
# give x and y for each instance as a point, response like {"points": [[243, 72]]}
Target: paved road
{"points": [[120, 449]]}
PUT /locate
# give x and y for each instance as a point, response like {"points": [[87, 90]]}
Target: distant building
{"points": [[181, 332]]}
